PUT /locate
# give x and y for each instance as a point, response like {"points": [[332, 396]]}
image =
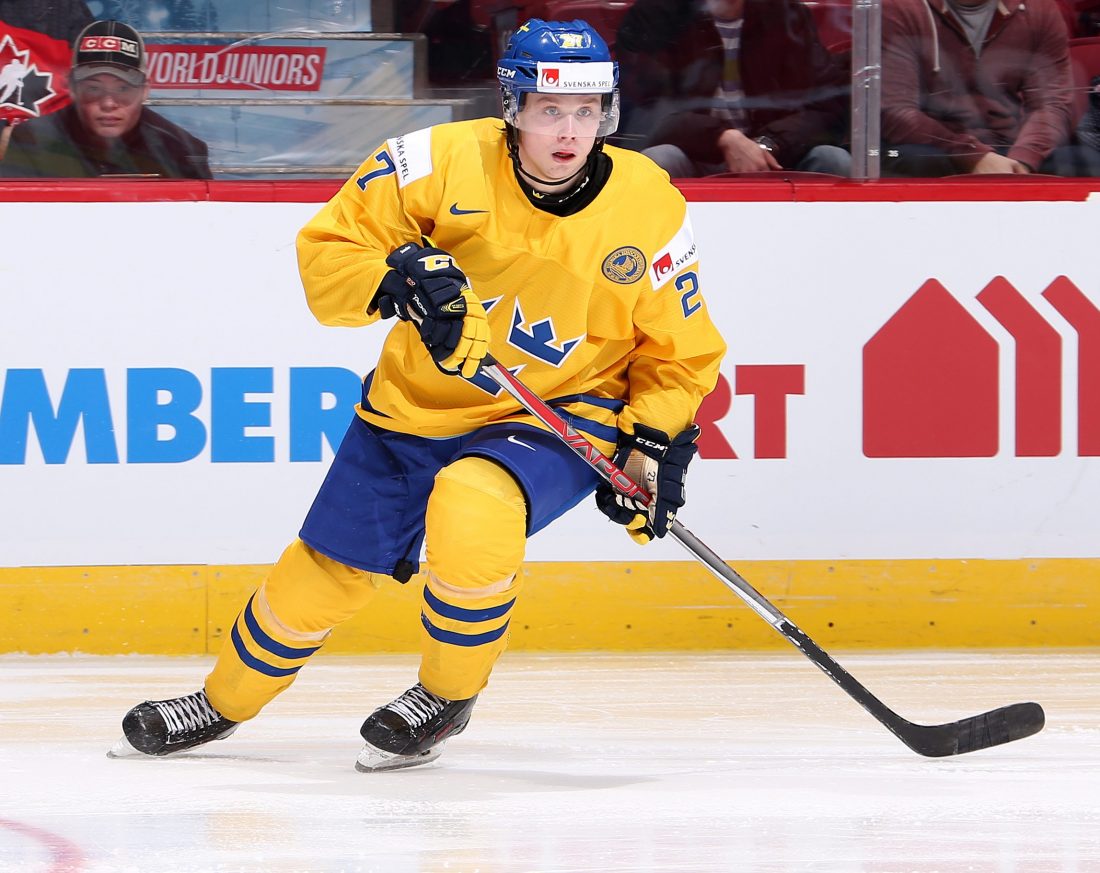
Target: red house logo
{"points": [[931, 377]]}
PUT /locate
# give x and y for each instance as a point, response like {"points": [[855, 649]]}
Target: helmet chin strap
{"points": [[513, 152], [531, 177]]}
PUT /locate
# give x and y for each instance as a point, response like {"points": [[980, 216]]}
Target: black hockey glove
{"points": [[426, 287], [659, 465]]}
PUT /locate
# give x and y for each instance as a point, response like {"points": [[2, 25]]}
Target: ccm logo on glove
{"points": [[657, 463], [426, 286]]}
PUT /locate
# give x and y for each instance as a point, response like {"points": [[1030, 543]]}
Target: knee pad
{"points": [[476, 531], [309, 593], [476, 525]]}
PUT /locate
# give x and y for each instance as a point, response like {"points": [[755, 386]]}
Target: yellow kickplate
{"points": [[589, 606]]}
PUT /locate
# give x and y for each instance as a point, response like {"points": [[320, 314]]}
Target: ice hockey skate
{"points": [[164, 727], [411, 730]]}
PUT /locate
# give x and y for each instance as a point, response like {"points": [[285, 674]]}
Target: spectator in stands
{"points": [[732, 86], [1088, 131], [460, 51], [1088, 18], [977, 86], [1069, 15], [107, 131]]}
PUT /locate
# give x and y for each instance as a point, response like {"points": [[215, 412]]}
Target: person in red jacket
{"points": [[977, 86], [714, 86]]}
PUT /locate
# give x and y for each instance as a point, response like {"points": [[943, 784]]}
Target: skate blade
{"points": [[372, 760], [123, 749]]}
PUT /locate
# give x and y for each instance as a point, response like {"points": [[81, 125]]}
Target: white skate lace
{"points": [[417, 705], [187, 713]]}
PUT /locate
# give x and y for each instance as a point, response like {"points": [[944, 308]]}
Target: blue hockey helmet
{"points": [[559, 57]]}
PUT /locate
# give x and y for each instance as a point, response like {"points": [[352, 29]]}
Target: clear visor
{"points": [[581, 115]]}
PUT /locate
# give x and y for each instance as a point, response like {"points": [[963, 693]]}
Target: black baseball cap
{"points": [[109, 47]]}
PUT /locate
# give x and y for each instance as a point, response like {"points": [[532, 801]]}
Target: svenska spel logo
{"points": [[662, 265]]}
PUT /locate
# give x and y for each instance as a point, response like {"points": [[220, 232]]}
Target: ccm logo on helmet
{"points": [[505, 73]]}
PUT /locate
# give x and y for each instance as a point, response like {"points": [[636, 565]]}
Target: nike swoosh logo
{"points": [[456, 211], [512, 439]]}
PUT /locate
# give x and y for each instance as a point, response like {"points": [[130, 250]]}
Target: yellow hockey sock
{"points": [[284, 622], [476, 533]]}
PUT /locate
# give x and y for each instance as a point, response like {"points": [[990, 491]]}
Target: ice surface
{"points": [[649, 762]]}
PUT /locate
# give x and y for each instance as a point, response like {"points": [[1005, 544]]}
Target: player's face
{"points": [[108, 106], [556, 133]]}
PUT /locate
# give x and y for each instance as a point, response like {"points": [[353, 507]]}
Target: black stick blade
{"points": [[993, 728]]}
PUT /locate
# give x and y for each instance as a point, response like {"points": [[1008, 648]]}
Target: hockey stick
{"points": [[1003, 725]]}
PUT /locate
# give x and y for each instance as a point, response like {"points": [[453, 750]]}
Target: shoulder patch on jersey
{"points": [[625, 265], [412, 155], [675, 255]]}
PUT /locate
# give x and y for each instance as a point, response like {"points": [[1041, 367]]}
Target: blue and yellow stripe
{"points": [[462, 626], [261, 652]]}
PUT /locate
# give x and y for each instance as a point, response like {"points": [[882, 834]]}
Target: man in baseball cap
{"points": [[111, 48], [107, 130]]}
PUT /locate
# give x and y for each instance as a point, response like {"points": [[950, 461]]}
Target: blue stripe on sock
{"points": [[265, 642], [255, 663], [447, 610], [467, 640]]}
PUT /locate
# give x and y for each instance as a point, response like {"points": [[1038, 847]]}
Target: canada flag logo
{"points": [[30, 65]]}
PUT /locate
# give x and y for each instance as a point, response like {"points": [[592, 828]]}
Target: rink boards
{"points": [[568, 606], [902, 450]]}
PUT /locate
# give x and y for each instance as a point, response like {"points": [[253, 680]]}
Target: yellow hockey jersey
{"points": [[599, 305]]}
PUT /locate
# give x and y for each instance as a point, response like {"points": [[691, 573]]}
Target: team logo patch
{"points": [[572, 40], [624, 265]]}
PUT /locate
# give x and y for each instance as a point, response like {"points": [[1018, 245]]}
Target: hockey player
{"points": [[579, 262]]}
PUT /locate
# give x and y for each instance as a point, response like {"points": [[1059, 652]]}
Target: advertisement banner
{"points": [[904, 380], [236, 68]]}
